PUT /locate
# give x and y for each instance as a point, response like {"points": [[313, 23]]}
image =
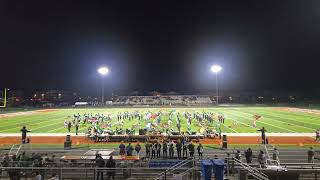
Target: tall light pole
{"points": [[102, 71], [216, 69]]}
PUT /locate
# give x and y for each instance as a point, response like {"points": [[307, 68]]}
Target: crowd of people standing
{"points": [[167, 148]]}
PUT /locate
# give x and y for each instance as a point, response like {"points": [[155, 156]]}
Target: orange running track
{"points": [[5, 140]]}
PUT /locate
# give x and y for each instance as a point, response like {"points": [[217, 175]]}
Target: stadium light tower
{"points": [[103, 71], [216, 69]]}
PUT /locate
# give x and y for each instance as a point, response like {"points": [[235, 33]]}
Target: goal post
{"points": [[4, 98]]}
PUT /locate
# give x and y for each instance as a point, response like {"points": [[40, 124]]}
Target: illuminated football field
{"points": [[238, 119]]}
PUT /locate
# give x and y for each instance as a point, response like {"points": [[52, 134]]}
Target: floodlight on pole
{"points": [[216, 69], [103, 71]]}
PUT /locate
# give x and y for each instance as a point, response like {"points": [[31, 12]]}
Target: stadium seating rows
{"points": [[165, 100]]}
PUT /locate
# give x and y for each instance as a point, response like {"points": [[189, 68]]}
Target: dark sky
{"points": [[160, 45]]}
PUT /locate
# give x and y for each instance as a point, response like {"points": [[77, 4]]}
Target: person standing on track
{"points": [[158, 146], [137, 148], [165, 149], [318, 135], [185, 150], [263, 135], [148, 147], [24, 132], [191, 149], [171, 150], [179, 148], [200, 150], [153, 150], [122, 148]]}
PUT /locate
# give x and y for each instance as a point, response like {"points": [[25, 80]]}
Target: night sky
{"points": [[160, 45]]}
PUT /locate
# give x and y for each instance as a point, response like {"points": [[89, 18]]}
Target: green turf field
{"points": [[238, 119]]}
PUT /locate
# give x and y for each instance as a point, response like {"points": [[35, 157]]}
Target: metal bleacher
{"points": [[15, 149]]}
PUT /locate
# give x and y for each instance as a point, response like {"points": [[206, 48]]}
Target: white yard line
{"points": [[285, 122], [229, 128], [38, 121], [261, 121], [37, 124], [58, 128]]}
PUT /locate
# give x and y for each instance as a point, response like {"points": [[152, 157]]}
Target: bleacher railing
{"points": [[81, 172], [178, 166], [251, 170]]}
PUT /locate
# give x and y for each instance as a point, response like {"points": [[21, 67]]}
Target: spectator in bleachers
{"points": [[6, 162], [164, 149], [99, 164], [44, 158], [36, 176], [310, 155], [122, 148], [54, 177], [262, 159], [137, 148], [238, 155], [24, 158], [248, 155], [148, 147], [275, 154], [129, 150], [52, 160], [179, 148], [111, 164], [200, 150], [191, 149], [14, 158]]}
